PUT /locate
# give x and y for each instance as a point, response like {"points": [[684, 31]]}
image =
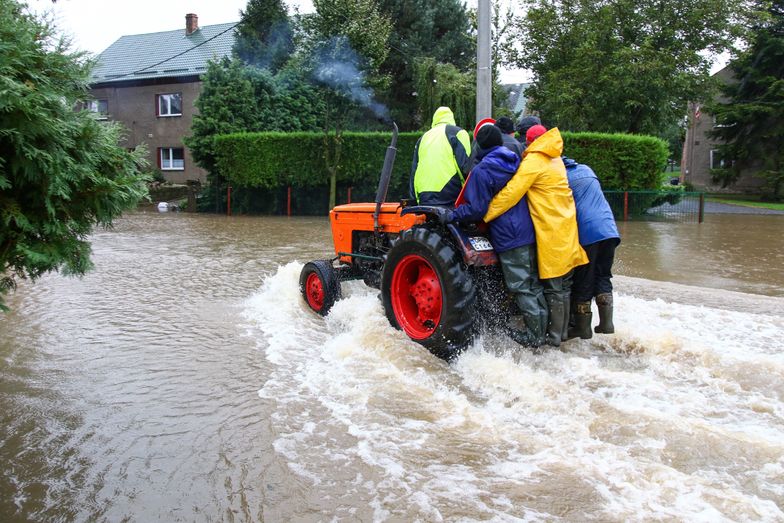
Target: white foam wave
{"points": [[679, 415]]}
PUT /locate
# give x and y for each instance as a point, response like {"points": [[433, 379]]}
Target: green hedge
{"points": [[621, 161], [271, 160]]}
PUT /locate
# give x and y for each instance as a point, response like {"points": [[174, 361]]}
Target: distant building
{"points": [[516, 100], [701, 154], [149, 82]]}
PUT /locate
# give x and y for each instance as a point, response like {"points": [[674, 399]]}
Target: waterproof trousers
{"points": [[521, 275], [594, 278]]}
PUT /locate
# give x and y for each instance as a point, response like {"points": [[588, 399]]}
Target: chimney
{"points": [[191, 23]]}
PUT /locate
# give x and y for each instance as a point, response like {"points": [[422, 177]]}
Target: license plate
{"points": [[480, 243]]}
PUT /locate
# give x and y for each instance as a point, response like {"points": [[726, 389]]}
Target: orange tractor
{"points": [[439, 283]]}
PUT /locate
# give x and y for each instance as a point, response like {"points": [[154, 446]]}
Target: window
{"points": [[99, 107], [169, 104], [718, 161], [171, 158]]}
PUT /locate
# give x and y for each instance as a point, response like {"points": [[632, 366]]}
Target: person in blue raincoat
{"points": [[599, 237], [511, 234]]}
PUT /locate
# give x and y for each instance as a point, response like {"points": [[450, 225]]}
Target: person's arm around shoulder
{"points": [[477, 197], [513, 191], [461, 148]]}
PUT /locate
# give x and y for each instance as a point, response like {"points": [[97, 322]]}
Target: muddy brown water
{"points": [[184, 380]]}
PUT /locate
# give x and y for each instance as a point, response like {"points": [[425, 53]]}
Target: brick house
{"points": [[700, 152], [149, 83]]}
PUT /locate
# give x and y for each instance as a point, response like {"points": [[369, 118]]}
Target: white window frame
{"points": [[164, 105], [94, 107], [167, 164]]}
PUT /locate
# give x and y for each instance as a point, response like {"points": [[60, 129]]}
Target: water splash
{"points": [[661, 420]]}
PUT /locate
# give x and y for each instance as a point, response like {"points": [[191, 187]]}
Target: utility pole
{"points": [[484, 93]]}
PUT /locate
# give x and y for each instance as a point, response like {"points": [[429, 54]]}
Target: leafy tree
{"points": [[264, 35], [440, 30], [240, 98], [621, 65], [751, 120], [440, 84], [61, 171], [345, 46]]}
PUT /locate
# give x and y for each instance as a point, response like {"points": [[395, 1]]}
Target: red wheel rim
{"points": [[314, 290], [416, 297]]}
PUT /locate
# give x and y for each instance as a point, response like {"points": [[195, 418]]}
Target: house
{"points": [[701, 154], [150, 82], [516, 99]]}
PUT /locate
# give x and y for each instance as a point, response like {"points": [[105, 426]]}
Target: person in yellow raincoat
{"points": [[542, 176]]}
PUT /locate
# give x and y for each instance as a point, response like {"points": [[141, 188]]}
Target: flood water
{"points": [[184, 380]]}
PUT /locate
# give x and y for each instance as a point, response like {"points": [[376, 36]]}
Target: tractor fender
{"points": [[461, 238]]}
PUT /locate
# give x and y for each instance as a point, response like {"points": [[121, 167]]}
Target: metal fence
{"points": [[676, 206]]}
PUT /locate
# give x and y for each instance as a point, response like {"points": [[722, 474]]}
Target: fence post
{"points": [[702, 208], [348, 196], [228, 200], [625, 206], [288, 201]]}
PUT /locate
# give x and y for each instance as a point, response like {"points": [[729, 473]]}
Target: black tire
{"points": [[319, 275], [455, 327]]}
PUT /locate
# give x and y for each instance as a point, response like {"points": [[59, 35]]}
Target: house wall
{"points": [[696, 164], [135, 107]]}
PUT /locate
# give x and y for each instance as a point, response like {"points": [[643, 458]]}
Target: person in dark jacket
{"points": [[525, 123], [506, 126], [441, 161], [599, 237], [511, 234]]}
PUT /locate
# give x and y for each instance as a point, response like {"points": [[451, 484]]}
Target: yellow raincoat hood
{"points": [[443, 115], [542, 177]]}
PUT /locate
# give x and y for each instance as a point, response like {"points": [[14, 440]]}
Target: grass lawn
{"points": [[744, 200]]}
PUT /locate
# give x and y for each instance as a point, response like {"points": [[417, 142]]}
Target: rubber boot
{"points": [[605, 304], [580, 321], [567, 317], [556, 324]]}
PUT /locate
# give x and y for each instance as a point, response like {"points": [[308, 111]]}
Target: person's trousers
{"points": [[521, 275], [594, 278]]}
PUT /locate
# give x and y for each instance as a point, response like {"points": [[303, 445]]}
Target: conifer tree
{"points": [[751, 121], [264, 36], [61, 170]]}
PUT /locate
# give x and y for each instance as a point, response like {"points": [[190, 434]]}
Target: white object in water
{"points": [[163, 207]]}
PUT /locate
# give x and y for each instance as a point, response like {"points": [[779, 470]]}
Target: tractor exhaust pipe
{"points": [[386, 175]]}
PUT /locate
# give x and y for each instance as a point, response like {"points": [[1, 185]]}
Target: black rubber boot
{"points": [[605, 304], [555, 326], [567, 317], [580, 321]]}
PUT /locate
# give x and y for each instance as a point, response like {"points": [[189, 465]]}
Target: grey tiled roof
{"points": [[517, 99], [132, 53]]}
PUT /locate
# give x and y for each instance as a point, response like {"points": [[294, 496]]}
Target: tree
{"points": [[346, 43], [264, 35], [622, 65], [61, 170], [751, 121], [239, 98], [421, 29]]}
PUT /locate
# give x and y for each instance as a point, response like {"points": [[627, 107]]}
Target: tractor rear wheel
{"points": [[319, 285], [428, 293]]}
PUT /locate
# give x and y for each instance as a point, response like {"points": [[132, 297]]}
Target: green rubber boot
{"points": [[555, 326], [605, 304], [580, 322]]}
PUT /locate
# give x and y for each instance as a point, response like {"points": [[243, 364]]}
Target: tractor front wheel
{"points": [[428, 293], [319, 285]]}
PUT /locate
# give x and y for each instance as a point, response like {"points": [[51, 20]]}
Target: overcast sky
{"points": [[95, 24]]}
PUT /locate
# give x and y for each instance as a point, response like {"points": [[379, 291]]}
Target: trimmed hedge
{"points": [[271, 160], [621, 161]]}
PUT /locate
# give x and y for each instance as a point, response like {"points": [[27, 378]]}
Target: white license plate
{"points": [[480, 243]]}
